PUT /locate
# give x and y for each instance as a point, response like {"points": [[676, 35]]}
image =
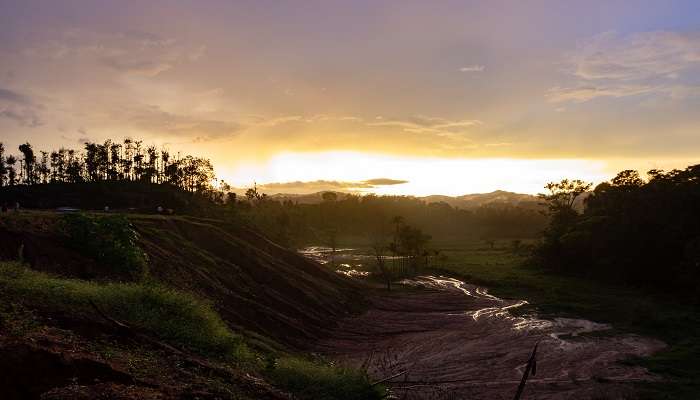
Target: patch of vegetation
{"points": [[111, 240], [17, 320], [173, 316], [323, 381]]}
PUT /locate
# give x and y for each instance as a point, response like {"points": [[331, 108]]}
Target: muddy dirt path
{"points": [[458, 342]]}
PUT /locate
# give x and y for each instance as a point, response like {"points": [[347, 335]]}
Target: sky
{"points": [[392, 97]]}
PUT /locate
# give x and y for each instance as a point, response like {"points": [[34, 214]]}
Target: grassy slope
{"points": [[254, 284], [175, 317], [628, 309], [233, 270]]}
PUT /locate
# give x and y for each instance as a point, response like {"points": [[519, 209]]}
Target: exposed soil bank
{"points": [[257, 286], [457, 341], [52, 363]]}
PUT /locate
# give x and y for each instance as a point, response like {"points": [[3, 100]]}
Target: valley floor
{"points": [[454, 340]]}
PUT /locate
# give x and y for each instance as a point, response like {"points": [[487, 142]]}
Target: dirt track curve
{"points": [[458, 342]]}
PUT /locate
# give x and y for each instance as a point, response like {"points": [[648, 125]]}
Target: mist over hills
{"points": [[466, 201]]}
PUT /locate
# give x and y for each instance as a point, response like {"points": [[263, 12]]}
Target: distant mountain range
{"points": [[479, 199], [465, 201]]}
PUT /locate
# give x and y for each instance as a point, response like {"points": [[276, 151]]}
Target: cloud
{"points": [[14, 97], [610, 65], [585, 93], [384, 182], [448, 134], [472, 68], [197, 53], [423, 124], [271, 122], [266, 122], [414, 124], [417, 133], [499, 144], [145, 39], [321, 185], [19, 108], [24, 117], [155, 120], [139, 67], [131, 52], [636, 57]]}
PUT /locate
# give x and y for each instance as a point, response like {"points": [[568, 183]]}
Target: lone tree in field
{"points": [[409, 248]]}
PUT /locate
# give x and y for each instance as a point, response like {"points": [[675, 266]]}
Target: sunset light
{"points": [[350, 199], [301, 173]]}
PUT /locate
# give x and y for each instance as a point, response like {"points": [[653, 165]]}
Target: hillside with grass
{"points": [[164, 307]]}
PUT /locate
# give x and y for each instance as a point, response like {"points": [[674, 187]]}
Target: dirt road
{"points": [[456, 341]]}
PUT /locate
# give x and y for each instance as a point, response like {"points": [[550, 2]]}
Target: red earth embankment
{"points": [[257, 286], [457, 341]]}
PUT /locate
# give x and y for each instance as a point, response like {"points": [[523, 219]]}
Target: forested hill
{"points": [[467, 201], [633, 230]]}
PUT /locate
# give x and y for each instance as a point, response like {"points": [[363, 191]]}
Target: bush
{"points": [[320, 381], [174, 316], [111, 240]]}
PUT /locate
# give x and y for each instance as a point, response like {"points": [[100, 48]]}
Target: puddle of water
{"points": [[347, 260], [502, 308], [555, 329], [353, 273]]}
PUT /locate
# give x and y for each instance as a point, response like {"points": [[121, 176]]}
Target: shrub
{"points": [[111, 240], [322, 381]]}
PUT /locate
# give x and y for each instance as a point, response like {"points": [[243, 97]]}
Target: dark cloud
{"points": [[23, 116], [156, 120], [320, 185], [384, 182], [19, 108], [14, 97]]}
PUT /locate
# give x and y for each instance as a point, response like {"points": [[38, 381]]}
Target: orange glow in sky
{"points": [[452, 97], [423, 176]]}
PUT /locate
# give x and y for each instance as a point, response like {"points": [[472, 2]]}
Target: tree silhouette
{"points": [[43, 168], [11, 172], [562, 195], [29, 163], [329, 196], [3, 167], [110, 161], [253, 195], [636, 231]]}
